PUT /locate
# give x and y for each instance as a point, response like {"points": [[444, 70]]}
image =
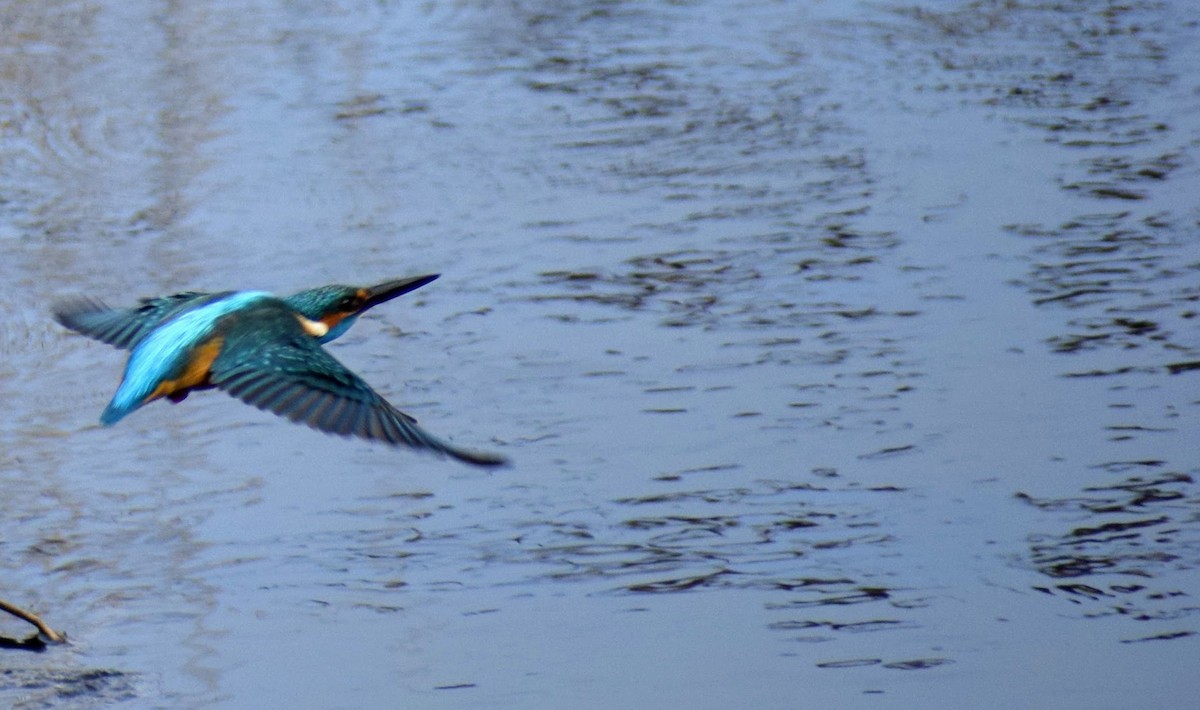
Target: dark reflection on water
{"points": [[1079, 73], [1121, 273], [1129, 280], [80, 689], [1132, 536], [752, 537], [714, 290]]}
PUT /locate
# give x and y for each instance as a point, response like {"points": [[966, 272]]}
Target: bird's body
{"points": [[259, 348], [177, 355]]}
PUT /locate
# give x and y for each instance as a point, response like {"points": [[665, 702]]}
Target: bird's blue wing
{"points": [[281, 369]]}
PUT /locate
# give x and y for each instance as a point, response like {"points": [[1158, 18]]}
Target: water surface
{"points": [[846, 353]]}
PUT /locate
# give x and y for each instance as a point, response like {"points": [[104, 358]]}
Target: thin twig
{"points": [[50, 634]]}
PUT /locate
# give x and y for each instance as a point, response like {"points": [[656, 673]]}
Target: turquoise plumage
{"points": [[261, 349]]}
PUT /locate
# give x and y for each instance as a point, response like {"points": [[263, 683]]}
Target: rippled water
{"points": [[847, 353]]}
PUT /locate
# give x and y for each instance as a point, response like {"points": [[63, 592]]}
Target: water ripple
{"points": [[1118, 560]]}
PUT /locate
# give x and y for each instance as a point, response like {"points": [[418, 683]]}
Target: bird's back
{"points": [[168, 353]]}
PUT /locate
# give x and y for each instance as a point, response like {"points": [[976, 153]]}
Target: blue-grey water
{"points": [[848, 354]]}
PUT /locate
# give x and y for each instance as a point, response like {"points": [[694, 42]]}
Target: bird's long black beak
{"points": [[388, 290]]}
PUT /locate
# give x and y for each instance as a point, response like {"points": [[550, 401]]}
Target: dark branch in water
{"points": [[44, 630]]}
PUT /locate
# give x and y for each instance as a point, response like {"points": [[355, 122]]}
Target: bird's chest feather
{"points": [[193, 370]]}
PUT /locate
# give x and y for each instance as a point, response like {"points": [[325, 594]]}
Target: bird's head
{"points": [[337, 307]]}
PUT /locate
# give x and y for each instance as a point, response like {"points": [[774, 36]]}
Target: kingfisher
{"points": [[262, 349]]}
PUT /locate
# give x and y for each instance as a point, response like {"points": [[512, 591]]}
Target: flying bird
{"points": [[260, 348]]}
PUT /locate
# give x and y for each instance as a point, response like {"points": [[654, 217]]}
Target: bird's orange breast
{"points": [[195, 373]]}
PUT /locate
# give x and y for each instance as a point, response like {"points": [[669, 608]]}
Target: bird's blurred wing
{"points": [[121, 327]]}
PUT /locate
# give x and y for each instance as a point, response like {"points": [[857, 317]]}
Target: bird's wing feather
{"points": [[290, 375], [121, 327]]}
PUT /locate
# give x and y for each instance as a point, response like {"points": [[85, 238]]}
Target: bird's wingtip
{"points": [[67, 310], [485, 460]]}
